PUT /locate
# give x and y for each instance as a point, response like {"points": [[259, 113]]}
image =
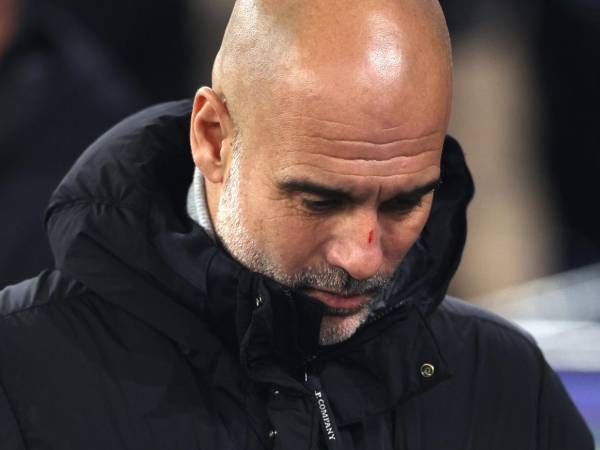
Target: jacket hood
{"points": [[118, 223]]}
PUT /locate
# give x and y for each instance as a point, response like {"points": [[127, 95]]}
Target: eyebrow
{"points": [[310, 187]]}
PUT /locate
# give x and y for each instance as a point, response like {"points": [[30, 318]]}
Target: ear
{"points": [[211, 135]]}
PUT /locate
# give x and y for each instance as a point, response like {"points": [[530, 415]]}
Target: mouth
{"points": [[338, 304]]}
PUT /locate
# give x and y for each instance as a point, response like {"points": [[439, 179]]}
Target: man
{"points": [[303, 304]]}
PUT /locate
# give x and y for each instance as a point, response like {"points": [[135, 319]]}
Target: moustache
{"points": [[338, 281]]}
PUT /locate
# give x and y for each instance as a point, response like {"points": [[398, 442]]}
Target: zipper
{"points": [[341, 347], [384, 312]]}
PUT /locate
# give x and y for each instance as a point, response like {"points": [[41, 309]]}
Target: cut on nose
{"points": [[361, 257]]}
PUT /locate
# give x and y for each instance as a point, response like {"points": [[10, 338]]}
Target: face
{"points": [[331, 202]]}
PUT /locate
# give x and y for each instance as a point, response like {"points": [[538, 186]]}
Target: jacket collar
{"points": [[379, 367]]}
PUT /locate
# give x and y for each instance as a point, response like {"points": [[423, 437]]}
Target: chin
{"points": [[336, 329]]}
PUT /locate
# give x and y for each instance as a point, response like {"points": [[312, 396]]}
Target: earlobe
{"points": [[209, 135]]}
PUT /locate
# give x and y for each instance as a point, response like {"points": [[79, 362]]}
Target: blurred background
{"points": [[527, 92]]}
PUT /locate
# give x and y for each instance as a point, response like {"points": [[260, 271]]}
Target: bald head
{"points": [[273, 47]]}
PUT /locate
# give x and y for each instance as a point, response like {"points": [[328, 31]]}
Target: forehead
{"points": [[310, 136], [349, 130], [408, 103], [388, 162], [362, 160], [345, 140]]}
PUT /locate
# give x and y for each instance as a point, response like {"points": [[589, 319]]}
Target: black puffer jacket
{"points": [[148, 336]]}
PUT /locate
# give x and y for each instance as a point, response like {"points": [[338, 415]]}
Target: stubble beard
{"points": [[336, 325]]}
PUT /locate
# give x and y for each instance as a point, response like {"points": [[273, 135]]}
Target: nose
{"points": [[356, 247]]}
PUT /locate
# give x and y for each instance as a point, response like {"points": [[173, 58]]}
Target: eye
{"points": [[401, 205], [321, 205]]}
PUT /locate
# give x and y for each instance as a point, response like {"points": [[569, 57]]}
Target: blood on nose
{"points": [[370, 239]]}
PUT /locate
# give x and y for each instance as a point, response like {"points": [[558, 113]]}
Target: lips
{"points": [[338, 303]]}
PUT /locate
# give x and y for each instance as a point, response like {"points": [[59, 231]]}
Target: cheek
{"points": [[399, 236], [291, 242], [286, 236]]}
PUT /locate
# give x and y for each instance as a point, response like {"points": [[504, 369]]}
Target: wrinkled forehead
{"points": [[336, 128], [371, 102], [343, 111], [343, 143]]}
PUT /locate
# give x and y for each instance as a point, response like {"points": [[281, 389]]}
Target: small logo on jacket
{"points": [[325, 416]]}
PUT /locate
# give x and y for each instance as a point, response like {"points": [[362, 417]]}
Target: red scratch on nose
{"points": [[370, 236]]}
